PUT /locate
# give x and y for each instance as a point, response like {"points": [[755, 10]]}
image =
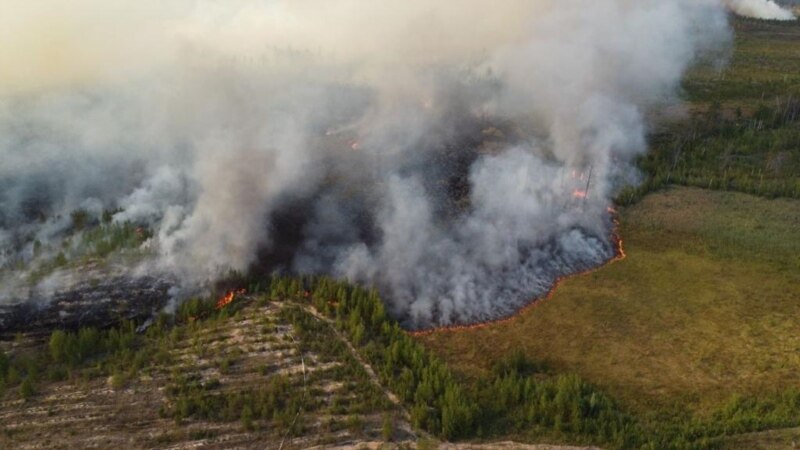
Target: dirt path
{"points": [[396, 401], [367, 367]]}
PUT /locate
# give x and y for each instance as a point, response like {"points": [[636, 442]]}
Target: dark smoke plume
{"points": [[458, 155]]}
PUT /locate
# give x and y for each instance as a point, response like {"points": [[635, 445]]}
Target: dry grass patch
{"points": [[704, 306]]}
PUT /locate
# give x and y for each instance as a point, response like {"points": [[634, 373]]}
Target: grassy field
{"points": [[764, 64], [695, 332], [704, 307], [741, 130]]}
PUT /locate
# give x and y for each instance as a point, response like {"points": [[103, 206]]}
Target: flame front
{"points": [[228, 298], [619, 255]]}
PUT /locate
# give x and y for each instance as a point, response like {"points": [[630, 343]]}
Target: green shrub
{"points": [[26, 389]]}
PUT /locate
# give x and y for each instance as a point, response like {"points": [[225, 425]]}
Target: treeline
{"points": [[110, 237], [519, 397], [436, 402], [118, 352], [281, 401], [88, 236], [516, 398], [511, 401], [757, 154]]}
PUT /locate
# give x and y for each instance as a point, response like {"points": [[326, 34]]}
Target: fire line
{"points": [[228, 298], [619, 255]]}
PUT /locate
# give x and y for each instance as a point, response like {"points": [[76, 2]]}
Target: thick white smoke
{"points": [[457, 155], [761, 9]]}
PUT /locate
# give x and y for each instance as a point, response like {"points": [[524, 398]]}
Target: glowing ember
{"points": [[579, 194], [226, 299]]}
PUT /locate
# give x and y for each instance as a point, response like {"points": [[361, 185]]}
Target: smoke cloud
{"points": [[761, 9], [458, 156]]}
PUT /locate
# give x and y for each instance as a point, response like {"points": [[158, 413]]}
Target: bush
{"points": [[80, 218], [26, 389]]}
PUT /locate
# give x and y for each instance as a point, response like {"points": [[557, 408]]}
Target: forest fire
{"points": [[619, 253], [228, 298], [580, 194], [339, 160]]}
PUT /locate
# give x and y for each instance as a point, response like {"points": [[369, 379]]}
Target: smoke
{"points": [[761, 9], [456, 155]]}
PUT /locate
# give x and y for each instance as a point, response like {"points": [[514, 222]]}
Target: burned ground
{"points": [[101, 302]]}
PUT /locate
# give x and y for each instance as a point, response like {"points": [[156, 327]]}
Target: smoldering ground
{"points": [[456, 155]]}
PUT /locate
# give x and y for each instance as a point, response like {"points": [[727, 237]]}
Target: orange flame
{"points": [[619, 255], [228, 298], [579, 193]]}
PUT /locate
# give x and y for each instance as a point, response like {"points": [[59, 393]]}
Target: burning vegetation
{"points": [[459, 179], [619, 255], [228, 298]]}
